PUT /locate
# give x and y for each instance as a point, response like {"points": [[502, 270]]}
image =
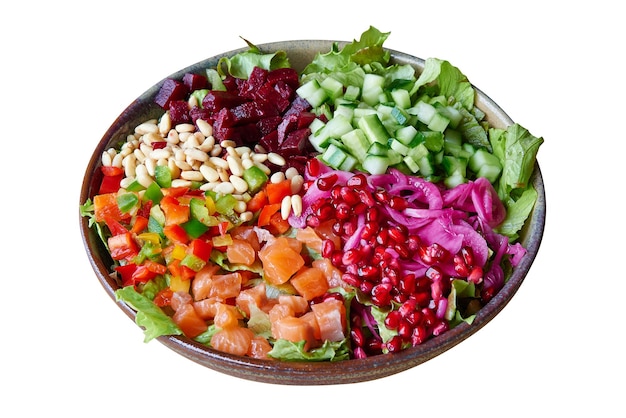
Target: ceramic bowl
{"points": [[294, 373]]}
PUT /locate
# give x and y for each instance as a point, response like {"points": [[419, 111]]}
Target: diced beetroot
{"points": [[200, 113], [295, 143], [268, 94], [269, 124], [223, 119], [253, 111], [169, 91], [254, 82], [179, 112], [305, 119], [299, 105], [287, 125], [286, 75], [242, 135], [297, 161], [195, 81], [270, 142], [216, 100], [231, 83], [285, 90]]}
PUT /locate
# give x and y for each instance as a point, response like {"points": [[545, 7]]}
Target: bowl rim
{"points": [[310, 373]]}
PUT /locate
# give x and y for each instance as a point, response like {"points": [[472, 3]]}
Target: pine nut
{"points": [[185, 127], [296, 183], [151, 137], [142, 176], [216, 151], [139, 155], [224, 187], [192, 142], [240, 206], [191, 175], [223, 174], [259, 148], [296, 204], [207, 144], [106, 159], [150, 164], [263, 168], [205, 127], [165, 124], [181, 183], [126, 181], [246, 163], [129, 163], [259, 158], [146, 127], [234, 165], [172, 137], [243, 150], [183, 136], [196, 154], [238, 183], [291, 172], [219, 162], [277, 177], [174, 169], [117, 160], [162, 153], [183, 165], [276, 159], [146, 149], [285, 207], [209, 173], [228, 143], [246, 216]]}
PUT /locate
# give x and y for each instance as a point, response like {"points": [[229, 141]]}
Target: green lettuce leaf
{"points": [[517, 213], [451, 82], [149, 316], [242, 64], [329, 351], [519, 154]]}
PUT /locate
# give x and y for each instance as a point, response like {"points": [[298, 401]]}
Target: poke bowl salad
{"points": [[352, 207]]}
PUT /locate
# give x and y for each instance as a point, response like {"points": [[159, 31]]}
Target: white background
{"points": [[70, 68]]}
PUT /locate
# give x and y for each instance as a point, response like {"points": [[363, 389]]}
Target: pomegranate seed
{"points": [[392, 320], [337, 227], [313, 221], [397, 203], [419, 335], [366, 251], [373, 346], [335, 192], [366, 197], [468, 256], [342, 210], [476, 275], [407, 284], [358, 180], [382, 237], [421, 298], [333, 295], [397, 234], [327, 182], [391, 274], [407, 307], [413, 242], [349, 227], [414, 317], [351, 279], [359, 353], [382, 196], [398, 296], [349, 196], [336, 258], [352, 269], [487, 294], [405, 329], [429, 317], [325, 212], [328, 248], [359, 208], [372, 214], [434, 274], [366, 287], [440, 328], [313, 167], [459, 266], [402, 250], [357, 336], [433, 253], [381, 294], [352, 256], [369, 272], [394, 344], [370, 229]]}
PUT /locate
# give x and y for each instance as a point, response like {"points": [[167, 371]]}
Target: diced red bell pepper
{"points": [[257, 201], [155, 267], [175, 213], [201, 248], [266, 213], [140, 224], [114, 226], [278, 225], [178, 270], [176, 233], [106, 205], [277, 191], [122, 246]]}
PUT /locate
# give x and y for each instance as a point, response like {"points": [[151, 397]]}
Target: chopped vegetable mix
{"points": [[354, 209]]}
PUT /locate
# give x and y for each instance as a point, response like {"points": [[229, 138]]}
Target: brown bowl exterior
{"points": [[300, 373]]}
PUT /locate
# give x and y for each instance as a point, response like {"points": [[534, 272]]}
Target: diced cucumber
{"points": [[406, 134], [398, 146], [312, 92], [438, 122], [375, 164], [346, 111], [372, 88], [334, 156], [481, 158], [454, 180], [453, 115], [352, 93], [400, 115], [376, 148], [426, 165], [349, 163], [490, 172], [373, 128], [356, 143], [433, 140], [401, 98], [454, 165], [418, 152], [411, 164], [424, 112], [315, 125], [332, 87]]}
